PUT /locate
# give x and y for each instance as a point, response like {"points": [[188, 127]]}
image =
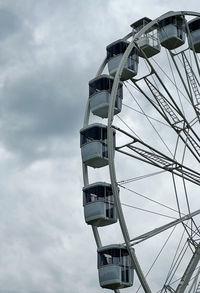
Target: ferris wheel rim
{"points": [[122, 221], [110, 138]]}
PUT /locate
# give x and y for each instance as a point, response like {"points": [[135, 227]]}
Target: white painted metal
{"points": [[111, 150], [189, 271], [84, 166], [110, 143], [164, 228]]}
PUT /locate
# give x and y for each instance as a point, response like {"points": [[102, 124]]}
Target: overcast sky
{"points": [[49, 50]]}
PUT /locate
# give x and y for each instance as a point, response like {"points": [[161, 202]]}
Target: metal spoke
{"points": [[157, 159], [165, 90], [159, 230]]}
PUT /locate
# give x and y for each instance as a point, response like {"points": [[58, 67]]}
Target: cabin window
{"points": [[125, 259], [120, 48], [93, 133], [100, 84], [99, 193], [93, 194], [109, 256], [109, 204], [114, 256], [116, 49], [194, 25], [125, 275], [171, 20], [165, 22], [104, 84]]}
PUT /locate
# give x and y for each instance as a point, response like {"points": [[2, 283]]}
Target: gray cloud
{"points": [[9, 23], [49, 50]]}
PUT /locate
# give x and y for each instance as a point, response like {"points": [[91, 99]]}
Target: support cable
{"points": [[177, 264], [175, 82], [148, 211], [171, 81], [159, 253], [152, 200], [128, 126], [125, 181], [174, 259], [159, 291], [189, 271], [146, 115], [149, 120]]}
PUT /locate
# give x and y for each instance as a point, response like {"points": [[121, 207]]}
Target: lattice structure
{"points": [[163, 83], [191, 78]]}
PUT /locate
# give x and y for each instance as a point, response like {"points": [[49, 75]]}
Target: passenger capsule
{"points": [[194, 37], [98, 202], [148, 42], [99, 95], [93, 143], [172, 32], [115, 52], [115, 267]]}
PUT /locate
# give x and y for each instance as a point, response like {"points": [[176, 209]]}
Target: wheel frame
{"points": [[111, 151]]}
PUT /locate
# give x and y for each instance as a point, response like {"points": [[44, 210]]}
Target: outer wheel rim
{"points": [[110, 136]]}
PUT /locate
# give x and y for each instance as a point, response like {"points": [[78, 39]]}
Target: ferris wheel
{"points": [[140, 147]]}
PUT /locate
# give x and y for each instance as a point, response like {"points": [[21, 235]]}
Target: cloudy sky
{"points": [[49, 49]]}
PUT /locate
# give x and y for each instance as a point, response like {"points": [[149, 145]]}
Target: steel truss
{"points": [[157, 159], [166, 106]]}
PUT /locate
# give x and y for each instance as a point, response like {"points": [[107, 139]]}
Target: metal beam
{"points": [[157, 159], [194, 285], [163, 228], [189, 271], [110, 142], [174, 118]]}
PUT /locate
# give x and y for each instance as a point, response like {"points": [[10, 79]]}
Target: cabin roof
{"points": [[96, 184], [140, 22], [116, 42], [100, 125], [111, 246]]}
